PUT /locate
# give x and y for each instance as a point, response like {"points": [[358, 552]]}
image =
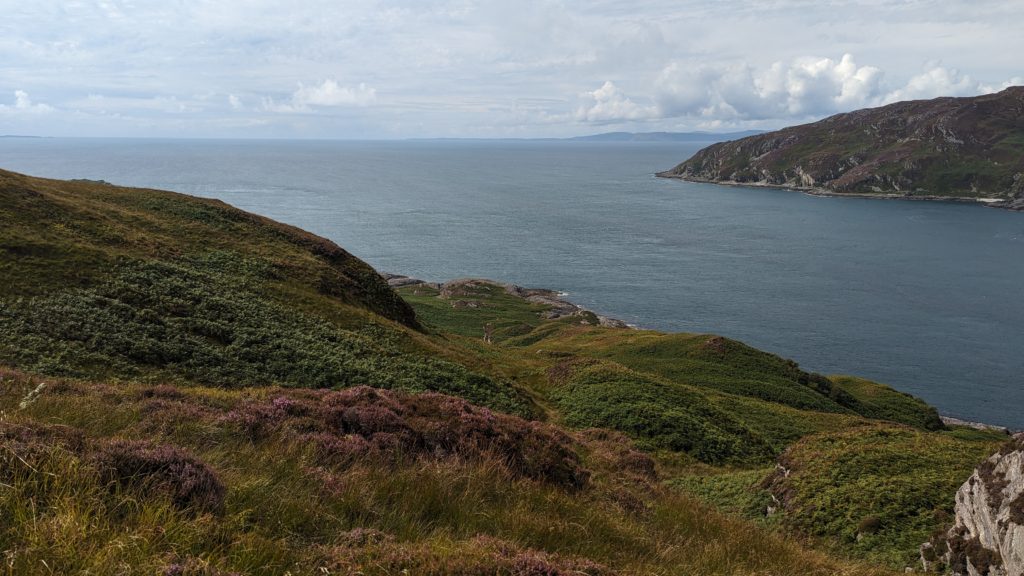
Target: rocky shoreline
{"points": [[1016, 205], [559, 307], [952, 421]]}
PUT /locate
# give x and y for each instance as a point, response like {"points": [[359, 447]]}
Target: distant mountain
{"points": [[665, 136], [968, 149], [624, 137]]}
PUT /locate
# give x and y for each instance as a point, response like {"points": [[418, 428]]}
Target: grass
{"points": [[731, 409], [285, 510], [208, 321], [197, 390], [878, 491], [884, 403]]}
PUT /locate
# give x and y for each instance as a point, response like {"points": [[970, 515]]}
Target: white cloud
{"points": [[327, 94], [464, 65], [990, 89], [24, 105], [806, 86], [937, 81], [611, 105]]}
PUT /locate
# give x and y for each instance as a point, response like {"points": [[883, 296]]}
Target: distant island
{"points": [[625, 137], [666, 136], [960, 149]]}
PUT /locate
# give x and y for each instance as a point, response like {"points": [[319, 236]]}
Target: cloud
{"points": [[465, 65], [24, 105], [611, 105], [937, 81], [990, 89], [806, 86], [327, 94]]}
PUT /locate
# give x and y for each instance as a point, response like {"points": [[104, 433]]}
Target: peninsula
{"points": [[952, 149]]}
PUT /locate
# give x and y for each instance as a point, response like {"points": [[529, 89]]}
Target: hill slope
{"points": [[964, 148], [188, 389]]}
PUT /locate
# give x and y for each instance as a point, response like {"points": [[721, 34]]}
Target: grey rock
{"points": [[988, 534]]}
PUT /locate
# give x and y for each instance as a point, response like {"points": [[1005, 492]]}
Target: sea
{"points": [[927, 297]]}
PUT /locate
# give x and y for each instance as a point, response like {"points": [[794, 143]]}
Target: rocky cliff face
{"points": [[988, 536], [967, 148]]}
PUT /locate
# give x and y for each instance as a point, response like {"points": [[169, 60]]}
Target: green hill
{"points": [[946, 148], [186, 388]]}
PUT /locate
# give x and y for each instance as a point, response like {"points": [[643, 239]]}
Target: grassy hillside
{"points": [[946, 147], [165, 480], [734, 412], [880, 490], [186, 388], [112, 282]]}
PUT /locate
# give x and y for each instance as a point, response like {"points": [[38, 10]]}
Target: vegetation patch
{"points": [[209, 321], [140, 464], [466, 510], [360, 424], [883, 403], [879, 491], [659, 415]]}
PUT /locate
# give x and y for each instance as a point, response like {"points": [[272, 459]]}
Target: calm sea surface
{"points": [[928, 297]]}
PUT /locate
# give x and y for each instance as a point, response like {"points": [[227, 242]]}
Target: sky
{"points": [[477, 68]]}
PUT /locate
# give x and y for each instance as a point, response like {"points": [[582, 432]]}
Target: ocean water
{"points": [[927, 297]]}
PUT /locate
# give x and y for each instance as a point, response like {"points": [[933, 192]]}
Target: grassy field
{"points": [[186, 388]]}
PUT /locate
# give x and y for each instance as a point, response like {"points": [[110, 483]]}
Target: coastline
{"points": [[824, 192], [560, 307], [954, 421]]}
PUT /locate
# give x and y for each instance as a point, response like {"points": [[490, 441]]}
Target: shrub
{"points": [[479, 556], [346, 425], [189, 482]]}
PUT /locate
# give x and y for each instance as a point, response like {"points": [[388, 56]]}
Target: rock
{"points": [[951, 421], [396, 281], [988, 535], [611, 322], [557, 305]]}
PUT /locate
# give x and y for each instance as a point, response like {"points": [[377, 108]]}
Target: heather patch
{"points": [[139, 464], [479, 556], [349, 425]]}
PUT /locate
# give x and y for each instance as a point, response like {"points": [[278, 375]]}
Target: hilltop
{"points": [[190, 389], [968, 149]]}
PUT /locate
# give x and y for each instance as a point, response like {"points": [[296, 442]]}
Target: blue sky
{"points": [[524, 68]]}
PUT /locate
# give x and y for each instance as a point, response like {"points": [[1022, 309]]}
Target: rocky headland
{"points": [[948, 149], [555, 302]]}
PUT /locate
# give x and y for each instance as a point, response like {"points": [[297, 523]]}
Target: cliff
{"points": [[942, 149], [988, 535]]}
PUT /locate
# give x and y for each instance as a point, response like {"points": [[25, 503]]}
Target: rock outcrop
{"points": [[988, 535], [941, 149]]}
